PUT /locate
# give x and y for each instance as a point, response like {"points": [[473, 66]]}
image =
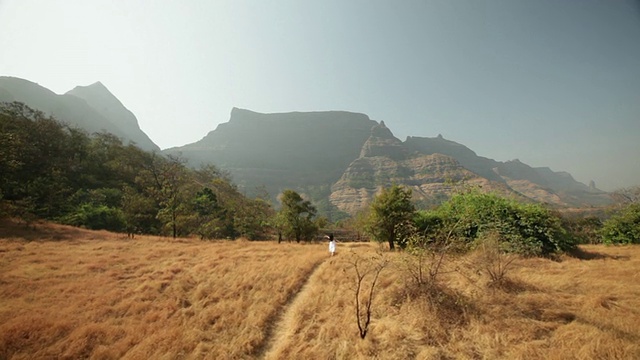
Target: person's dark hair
{"points": [[330, 237]]}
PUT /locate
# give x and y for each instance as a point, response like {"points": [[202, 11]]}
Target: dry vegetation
{"points": [[99, 295], [70, 293]]}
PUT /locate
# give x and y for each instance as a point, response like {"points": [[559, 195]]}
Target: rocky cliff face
{"points": [[92, 108], [385, 160], [465, 156]]}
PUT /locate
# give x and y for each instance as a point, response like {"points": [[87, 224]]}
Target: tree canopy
{"points": [[295, 218], [389, 209]]}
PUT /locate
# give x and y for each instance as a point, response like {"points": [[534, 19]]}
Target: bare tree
{"points": [[367, 271]]}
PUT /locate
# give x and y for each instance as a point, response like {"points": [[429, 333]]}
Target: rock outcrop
{"points": [[385, 160]]}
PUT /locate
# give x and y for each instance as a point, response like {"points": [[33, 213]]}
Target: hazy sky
{"points": [[552, 82]]}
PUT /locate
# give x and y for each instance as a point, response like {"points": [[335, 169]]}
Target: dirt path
{"points": [[276, 327]]}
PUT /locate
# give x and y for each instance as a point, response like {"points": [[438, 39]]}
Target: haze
{"points": [[553, 83]]}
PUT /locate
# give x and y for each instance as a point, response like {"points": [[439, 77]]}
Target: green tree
{"points": [[209, 214], [51, 171], [296, 216], [389, 209], [623, 227], [166, 180], [139, 212], [173, 195], [34, 161]]}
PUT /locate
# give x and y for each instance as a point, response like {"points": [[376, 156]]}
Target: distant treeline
{"points": [[51, 171]]}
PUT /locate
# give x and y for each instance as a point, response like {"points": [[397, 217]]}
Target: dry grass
{"points": [[81, 294], [147, 298], [569, 309]]}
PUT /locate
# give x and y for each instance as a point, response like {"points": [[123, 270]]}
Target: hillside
{"points": [[73, 293], [91, 108]]}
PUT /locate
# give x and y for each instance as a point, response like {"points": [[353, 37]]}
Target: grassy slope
{"points": [[77, 294]]}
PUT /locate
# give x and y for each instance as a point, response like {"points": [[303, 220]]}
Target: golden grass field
{"points": [[68, 293]]}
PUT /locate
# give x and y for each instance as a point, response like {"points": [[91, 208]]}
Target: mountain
{"points": [[92, 108], [279, 151], [106, 104], [338, 159], [385, 160], [541, 184], [341, 159]]}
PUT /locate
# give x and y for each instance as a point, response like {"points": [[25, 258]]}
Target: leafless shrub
{"points": [[493, 261], [367, 270]]}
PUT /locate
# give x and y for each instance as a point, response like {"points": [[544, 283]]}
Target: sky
{"points": [[552, 83]]}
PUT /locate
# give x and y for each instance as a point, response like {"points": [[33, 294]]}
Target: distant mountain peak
{"points": [[111, 108], [96, 89], [92, 108], [98, 85], [382, 131]]}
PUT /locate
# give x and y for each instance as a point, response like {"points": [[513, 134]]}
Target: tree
{"points": [[295, 218], [139, 212], [51, 171], [390, 208], [168, 181], [209, 214]]}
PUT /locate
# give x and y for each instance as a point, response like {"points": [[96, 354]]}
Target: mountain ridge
{"points": [[428, 165], [81, 107]]}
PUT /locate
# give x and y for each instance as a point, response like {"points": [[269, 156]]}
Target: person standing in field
{"points": [[332, 245]]}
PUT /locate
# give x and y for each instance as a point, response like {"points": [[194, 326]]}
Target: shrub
{"points": [[97, 217], [624, 227], [527, 229], [584, 230], [492, 260]]}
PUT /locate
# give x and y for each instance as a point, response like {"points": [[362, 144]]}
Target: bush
{"points": [[97, 217], [624, 227], [527, 229], [584, 230]]}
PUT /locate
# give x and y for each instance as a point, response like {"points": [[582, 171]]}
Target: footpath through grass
{"points": [[100, 295]]}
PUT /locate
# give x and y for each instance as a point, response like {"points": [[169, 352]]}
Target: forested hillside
{"points": [[49, 170]]}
